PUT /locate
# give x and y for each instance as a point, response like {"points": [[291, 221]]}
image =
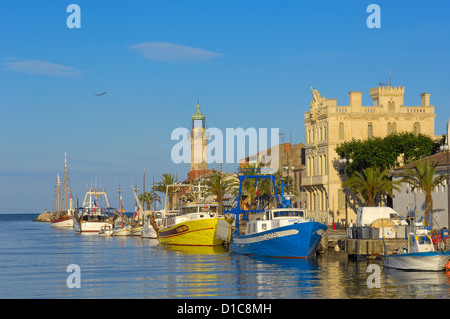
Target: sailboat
{"points": [[63, 205], [92, 216]]}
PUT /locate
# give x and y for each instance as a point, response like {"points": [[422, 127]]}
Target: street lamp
{"points": [[343, 162], [287, 169], [445, 148]]}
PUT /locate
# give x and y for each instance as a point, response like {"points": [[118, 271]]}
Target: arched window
{"points": [[416, 128], [391, 128], [341, 130], [391, 106], [369, 130]]}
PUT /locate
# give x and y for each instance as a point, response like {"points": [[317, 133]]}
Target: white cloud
{"points": [[41, 67], [173, 53]]}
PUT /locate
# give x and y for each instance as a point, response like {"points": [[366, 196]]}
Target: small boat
{"points": [[106, 231], [121, 227], [280, 232], [91, 217], [62, 216], [419, 255]]}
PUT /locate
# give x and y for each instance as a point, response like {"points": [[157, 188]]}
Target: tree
{"points": [[370, 183], [166, 180], [149, 198], [387, 152], [218, 185], [423, 178]]}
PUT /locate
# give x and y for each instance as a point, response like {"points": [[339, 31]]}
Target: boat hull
{"points": [[425, 261], [82, 226], [136, 231], [62, 222], [122, 232], [200, 232], [149, 232], [298, 240]]}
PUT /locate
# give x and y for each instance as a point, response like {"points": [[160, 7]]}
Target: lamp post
{"points": [[445, 148], [344, 162]]}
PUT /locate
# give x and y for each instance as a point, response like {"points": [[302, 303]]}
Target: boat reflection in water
{"points": [[197, 250]]}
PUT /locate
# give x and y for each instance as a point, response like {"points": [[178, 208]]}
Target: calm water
{"points": [[34, 258]]}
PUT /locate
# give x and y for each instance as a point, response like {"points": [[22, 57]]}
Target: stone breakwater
{"points": [[44, 217]]}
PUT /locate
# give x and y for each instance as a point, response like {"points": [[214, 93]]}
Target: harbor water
{"points": [[37, 261]]}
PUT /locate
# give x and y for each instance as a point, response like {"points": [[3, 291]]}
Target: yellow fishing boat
{"points": [[195, 224]]}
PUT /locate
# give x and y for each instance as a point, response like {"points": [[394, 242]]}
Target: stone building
{"points": [[327, 125]]}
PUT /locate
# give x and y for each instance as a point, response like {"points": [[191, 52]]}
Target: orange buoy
{"points": [[447, 265]]}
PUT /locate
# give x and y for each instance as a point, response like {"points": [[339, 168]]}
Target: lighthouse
{"points": [[199, 139]]}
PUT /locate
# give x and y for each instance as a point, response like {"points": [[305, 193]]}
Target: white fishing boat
{"points": [[91, 216], [62, 215], [419, 255]]}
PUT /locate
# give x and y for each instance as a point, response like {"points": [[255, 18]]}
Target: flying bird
{"points": [[100, 94]]}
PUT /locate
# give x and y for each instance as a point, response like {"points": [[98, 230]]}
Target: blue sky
{"points": [[251, 62]]}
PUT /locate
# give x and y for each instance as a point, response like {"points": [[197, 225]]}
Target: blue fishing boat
{"points": [[281, 231]]}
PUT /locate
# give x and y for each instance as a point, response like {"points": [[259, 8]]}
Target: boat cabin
{"points": [[420, 240], [273, 218], [199, 208], [191, 212]]}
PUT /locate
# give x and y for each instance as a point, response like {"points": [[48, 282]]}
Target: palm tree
{"points": [[149, 198], [218, 185], [370, 183], [167, 179], [423, 178]]}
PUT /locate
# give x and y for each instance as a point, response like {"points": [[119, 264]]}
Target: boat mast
{"points": [[57, 195], [66, 189]]}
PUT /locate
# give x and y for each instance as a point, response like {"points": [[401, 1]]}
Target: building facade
{"points": [[327, 125]]}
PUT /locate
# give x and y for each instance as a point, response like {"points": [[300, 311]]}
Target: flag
{"points": [[121, 205], [135, 210]]}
